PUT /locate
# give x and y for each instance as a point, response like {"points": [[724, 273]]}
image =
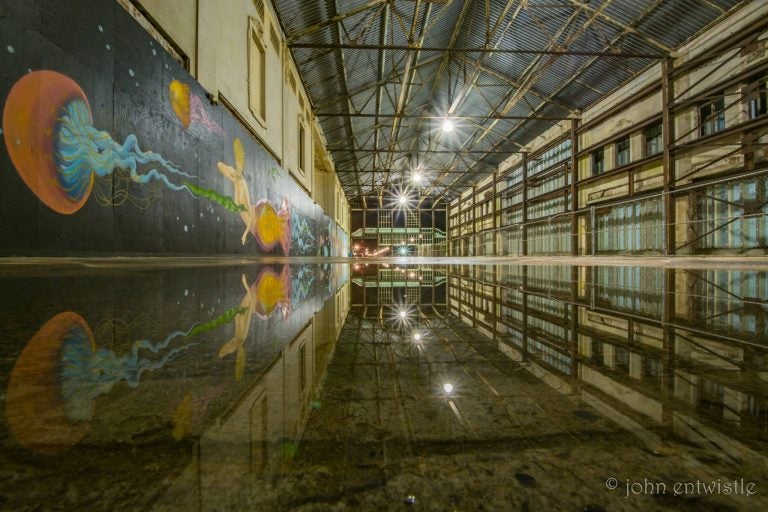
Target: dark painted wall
{"points": [[133, 89]]}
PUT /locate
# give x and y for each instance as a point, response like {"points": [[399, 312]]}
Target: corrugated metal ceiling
{"points": [[389, 92]]}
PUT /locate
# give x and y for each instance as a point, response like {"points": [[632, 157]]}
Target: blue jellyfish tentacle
{"points": [[134, 368], [82, 150]]}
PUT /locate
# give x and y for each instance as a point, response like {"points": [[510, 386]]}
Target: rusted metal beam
{"points": [[345, 81], [453, 117], [622, 25], [410, 68], [334, 20], [446, 49], [591, 61], [436, 151]]}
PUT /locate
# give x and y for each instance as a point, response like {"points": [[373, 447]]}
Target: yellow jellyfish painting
{"points": [[179, 95], [189, 108]]}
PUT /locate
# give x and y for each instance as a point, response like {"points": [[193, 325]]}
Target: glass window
{"points": [[552, 156], [598, 161], [622, 152], [712, 117], [653, 140], [756, 94], [302, 143], [256, 74]]}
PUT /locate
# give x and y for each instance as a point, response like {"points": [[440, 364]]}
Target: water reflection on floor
{"points": [[384, 387]]}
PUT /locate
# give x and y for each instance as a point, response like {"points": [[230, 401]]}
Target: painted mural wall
{"points": [[110, 147]]}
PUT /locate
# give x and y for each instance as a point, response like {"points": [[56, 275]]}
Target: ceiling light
{"points": [[402, 199], [447, 125], [403, 314], [416, 178], [417, 336], [448, 387]]}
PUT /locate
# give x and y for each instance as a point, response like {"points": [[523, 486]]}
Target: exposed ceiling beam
{"points": [[384, 27], [474, 75], [410, 69], [585, 65], [514, 83], [453, 117], [334, 20], [438, 151], [345, 82], [621, 25], [441, 49]]}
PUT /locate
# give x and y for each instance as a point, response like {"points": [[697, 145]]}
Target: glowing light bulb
{"points": [[402, 199], [402, 314], [417, 337], [447, 387], [416, 178], [447, 125]]}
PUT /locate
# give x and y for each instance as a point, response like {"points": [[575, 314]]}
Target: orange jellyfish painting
{"points": [[189, 108], [30, 117], [36, 413], [54, 385], [49, 134]]}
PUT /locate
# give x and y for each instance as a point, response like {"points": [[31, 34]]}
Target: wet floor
{"points": [[391, 386]]}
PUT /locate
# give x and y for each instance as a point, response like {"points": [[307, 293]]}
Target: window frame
{"points": [[301, 141], [713, 121], [598, 166], [257, 106], [657, 141], [756, 95], [626, 140]]}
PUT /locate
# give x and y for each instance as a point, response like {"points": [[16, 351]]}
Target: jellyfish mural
{"points": [[302, 235], [268, 226], [56, 380], [50, 137], [188, 107], [268, 293]]}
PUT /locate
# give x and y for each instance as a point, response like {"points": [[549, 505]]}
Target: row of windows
{"points": [[712, 113], [711, 120], [652, 142], [552, 156], [731, 216], [257, 80]]}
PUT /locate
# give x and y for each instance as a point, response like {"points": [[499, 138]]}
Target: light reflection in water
{"points": [[541, 378]]}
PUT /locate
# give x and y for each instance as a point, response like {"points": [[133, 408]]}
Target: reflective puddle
{"points": [[384, 387]]}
